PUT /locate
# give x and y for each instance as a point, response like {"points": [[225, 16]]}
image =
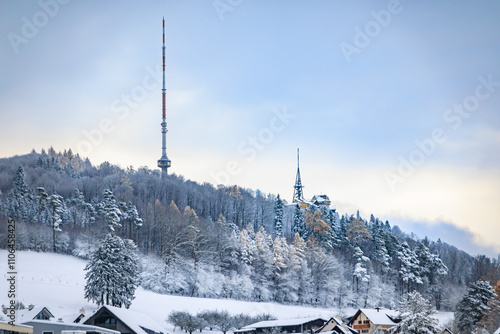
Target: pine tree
{"points": [[278, 217], [299, 225], [360, 272], [108, 208], [21, 197], [471, 309], [409, 271], [112, 272], [56, 205], [416, 316]]}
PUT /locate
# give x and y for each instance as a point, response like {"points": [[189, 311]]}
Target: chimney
{"points": [[82, 311], [30, 307], [59, 320], [378, 309], [4, 309]]}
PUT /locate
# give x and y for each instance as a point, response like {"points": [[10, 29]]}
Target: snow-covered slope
{"points": [[57, 281]]}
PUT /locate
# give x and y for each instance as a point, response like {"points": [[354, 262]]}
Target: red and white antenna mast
{"points": [[164, 162]]}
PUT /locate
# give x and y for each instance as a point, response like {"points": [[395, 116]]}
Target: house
{"points": [[33, 313], [6, 328], [367, 321], [299, 325], [59, 327], [321, 200], [124, 321], [336, 326]]}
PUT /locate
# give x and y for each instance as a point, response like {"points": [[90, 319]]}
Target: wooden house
{"points": [[367, 321]]}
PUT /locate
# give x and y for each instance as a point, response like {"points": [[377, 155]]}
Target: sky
{"points": [[393, 104]]}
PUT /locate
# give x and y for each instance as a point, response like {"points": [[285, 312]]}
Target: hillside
{"points": [[57, 281], [198, 240]]}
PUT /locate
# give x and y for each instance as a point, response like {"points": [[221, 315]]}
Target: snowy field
{"points": [[57, 282]]}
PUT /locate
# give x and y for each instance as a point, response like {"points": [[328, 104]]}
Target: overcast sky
{"points": [[393, 104]]}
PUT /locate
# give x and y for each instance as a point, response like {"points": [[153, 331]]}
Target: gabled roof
{"points": [[27, 314], [326, 328], [70, 326], [279, 323], [379, 316], [136, 321]]}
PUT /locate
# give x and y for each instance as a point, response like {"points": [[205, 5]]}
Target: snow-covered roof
{"points": [[136, 321], [329, 325], [497, 331], [72, 326], [27, 314], [379, 316], [279, 323]]}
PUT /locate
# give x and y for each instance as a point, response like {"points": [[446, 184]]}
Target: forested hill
{"points": [[228, 242]]}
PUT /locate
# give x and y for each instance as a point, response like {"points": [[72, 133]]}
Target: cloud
{"points": [[462, 238]]}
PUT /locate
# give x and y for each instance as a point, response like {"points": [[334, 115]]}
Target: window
{"points": [[106, 321], [360, 322], [47, 332], [42, 316], [366, 321], [365, 331]]}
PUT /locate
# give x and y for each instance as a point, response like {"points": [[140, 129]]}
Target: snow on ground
{"points": [[57, 282]]}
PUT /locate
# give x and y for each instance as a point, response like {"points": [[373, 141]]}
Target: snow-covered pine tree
{"points": [[299, 224], [21, 197], [416, 316], [360, 275], [130, 272], [112, 272], [472, 307], [409, 271], [108, 208], [57, 209], [278, 217]]}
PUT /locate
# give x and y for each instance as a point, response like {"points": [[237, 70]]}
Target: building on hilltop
{"points": [[298, 193]]}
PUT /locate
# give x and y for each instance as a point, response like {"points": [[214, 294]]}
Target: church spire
{"points": [[298, 196]]}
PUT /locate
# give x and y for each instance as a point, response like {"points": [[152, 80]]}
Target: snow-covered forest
{"points": [[227, 242]]}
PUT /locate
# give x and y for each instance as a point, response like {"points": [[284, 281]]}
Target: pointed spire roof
{"points": [[298, 196]]}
